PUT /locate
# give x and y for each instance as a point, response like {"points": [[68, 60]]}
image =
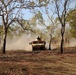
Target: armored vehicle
{"points": [[38, 45]]}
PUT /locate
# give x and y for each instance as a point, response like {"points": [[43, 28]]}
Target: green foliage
{"points": [[33, 21], [32, 3], [72, 22], [48, 28], [15, 31], [43, 2], [1, 30], [37, 19], [39, 15]]}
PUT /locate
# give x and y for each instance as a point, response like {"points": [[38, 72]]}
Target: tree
{"points": [[51, 30], [62, 8], [48, 28], [72, 22], [52, 26], [10, 10], [7, 13]]}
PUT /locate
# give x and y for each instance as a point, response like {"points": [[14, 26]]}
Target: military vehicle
{"points": [[38, 44]]}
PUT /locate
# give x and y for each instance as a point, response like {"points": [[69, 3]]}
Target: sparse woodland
{"points": [[52, 20]]}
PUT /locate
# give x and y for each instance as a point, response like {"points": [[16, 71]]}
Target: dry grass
{"points": [[39, 62]]}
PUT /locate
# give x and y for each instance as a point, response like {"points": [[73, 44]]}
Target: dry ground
{"points": [[39, 62]]}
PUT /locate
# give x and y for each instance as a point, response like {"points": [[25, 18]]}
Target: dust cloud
{"points": [[72, 43], [20, 43]]}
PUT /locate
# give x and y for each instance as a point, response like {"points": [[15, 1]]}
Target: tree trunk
{"points": [[50, 42], [49, 46], [62, 38], [62, 42], [4, 41]]}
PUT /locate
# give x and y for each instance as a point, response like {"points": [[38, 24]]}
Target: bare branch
{"points": [[57, 7]]}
